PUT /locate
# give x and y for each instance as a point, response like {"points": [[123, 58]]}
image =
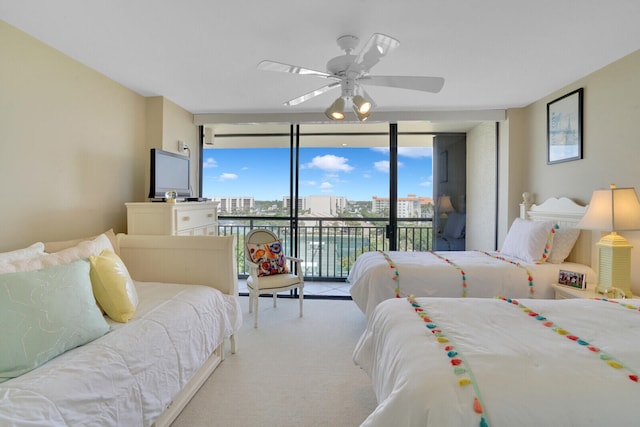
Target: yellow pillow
{"points": [[112, 286]]}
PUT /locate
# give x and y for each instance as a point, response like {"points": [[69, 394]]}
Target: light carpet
{"points": [[291, 371]]}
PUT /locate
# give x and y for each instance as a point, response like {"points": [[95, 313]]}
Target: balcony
{"points": [[329, 245]]}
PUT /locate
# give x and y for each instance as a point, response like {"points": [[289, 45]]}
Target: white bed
{"points": [[377, 276], [571, 362], [66, 363], [440, 274], [130, 375]]}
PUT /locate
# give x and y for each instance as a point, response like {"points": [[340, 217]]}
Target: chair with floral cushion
{"points": [[268, 269]]}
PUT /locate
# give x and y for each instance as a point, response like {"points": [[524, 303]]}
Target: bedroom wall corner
{"points": [[511, 168], [166, 124]]}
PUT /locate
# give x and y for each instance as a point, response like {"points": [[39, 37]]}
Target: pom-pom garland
{"points": [[608, 358], [461, 368], [396, 274], [457, 267], [517, 264]]}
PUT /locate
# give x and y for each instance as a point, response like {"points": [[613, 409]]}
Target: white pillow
{"points": [[51, 247], [563, 241], [529, 241], [19, 254], [82, 250]]}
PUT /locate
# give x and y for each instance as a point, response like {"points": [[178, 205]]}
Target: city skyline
{"points": [[355, 173]]}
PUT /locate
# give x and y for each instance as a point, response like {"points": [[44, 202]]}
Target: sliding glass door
{"points": [[331, 192], [343, 187]]}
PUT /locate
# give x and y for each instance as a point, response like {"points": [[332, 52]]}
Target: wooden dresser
{"points": [[176, 219]]}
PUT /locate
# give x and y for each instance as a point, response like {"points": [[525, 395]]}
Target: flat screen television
{"points": [[169, 171]]}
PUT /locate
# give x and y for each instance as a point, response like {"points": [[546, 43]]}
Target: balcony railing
{"points": [[330, 245]]}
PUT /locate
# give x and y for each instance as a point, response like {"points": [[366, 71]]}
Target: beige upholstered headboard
{"points": [[566, 213]]}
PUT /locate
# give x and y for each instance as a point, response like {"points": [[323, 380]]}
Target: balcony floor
{"points": [[312, 288]]}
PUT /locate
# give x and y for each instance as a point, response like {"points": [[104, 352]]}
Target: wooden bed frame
{"points": [[567, 213], [191, 260]]}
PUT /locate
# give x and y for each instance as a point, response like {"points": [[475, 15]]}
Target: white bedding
{"points": [[376, 275], [129, 376], [527, 372]]}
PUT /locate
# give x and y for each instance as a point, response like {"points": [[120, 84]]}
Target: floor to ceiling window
{"points": [[331, 192]]}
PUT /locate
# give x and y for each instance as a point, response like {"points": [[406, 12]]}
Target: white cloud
{"points": [[210, 162], [427, 183], [383, 166], [227, 176], [330, 163], [326, 185]]}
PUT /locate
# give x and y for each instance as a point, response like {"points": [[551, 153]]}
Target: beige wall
{"points": [[611, 143], [481, 184], [73, 144]]}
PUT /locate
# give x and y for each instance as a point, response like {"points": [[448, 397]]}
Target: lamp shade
{"points": [[444, 204], [614, 209]]}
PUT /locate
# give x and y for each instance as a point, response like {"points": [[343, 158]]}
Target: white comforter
{"points": [[374, 279], [527, 372], [130, 375]]}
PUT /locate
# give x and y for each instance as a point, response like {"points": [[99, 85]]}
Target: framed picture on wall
{"points": [[564, 128]]}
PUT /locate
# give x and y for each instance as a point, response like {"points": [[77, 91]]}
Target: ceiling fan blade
{"points": [[425, 84], [377, 47], [312, 94], [288, 68]]}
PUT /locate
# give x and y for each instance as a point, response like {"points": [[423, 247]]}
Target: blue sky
{"points": [[356, 173]]}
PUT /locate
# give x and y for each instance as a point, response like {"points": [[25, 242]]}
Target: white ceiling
{"points": [[202, 54]]}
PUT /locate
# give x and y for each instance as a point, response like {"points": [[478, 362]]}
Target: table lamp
{"points": [[613, 210], [443, 208]]}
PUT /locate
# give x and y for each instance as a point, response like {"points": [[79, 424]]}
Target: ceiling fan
{"points": [[350, 72]]}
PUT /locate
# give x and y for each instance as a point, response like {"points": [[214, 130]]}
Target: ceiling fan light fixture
{"points": [[336, 110], [361, 105], [361, 116]]}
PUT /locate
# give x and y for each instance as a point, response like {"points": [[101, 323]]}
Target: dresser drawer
{"points": [[184, 219], [193, 218]]}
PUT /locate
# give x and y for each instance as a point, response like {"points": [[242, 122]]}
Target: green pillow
{"points": [[44, 313]]}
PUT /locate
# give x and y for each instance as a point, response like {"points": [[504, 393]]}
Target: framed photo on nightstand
{"points": [[572, 279]]}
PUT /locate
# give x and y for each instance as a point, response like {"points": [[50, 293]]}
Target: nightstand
{"points": [[565, 292]]}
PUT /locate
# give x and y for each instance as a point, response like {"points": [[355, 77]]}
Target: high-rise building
{"points": [[320, 205], [235, 204], [411, 206]]}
